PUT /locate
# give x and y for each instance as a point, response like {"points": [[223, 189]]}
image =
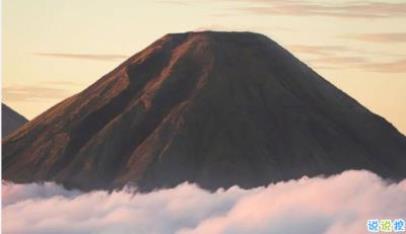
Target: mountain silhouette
{"points": [[213, 108], [10, 120]]}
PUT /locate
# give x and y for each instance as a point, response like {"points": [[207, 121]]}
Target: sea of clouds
{"points": [[334, 205]]}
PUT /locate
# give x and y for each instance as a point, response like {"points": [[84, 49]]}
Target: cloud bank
{"points": [[379, 37], [333, 205], [20, 93], [355, 9], [363, 9], [341, 57], [100, 57]]}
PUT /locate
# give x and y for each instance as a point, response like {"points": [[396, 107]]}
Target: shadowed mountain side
{"points": [[213, 108], [10, 120]]}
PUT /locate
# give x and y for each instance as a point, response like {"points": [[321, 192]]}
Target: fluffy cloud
{"points": [[14, 193], [337, 204]]}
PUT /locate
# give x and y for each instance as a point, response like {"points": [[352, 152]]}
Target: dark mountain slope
{"points": [[10, 120]]}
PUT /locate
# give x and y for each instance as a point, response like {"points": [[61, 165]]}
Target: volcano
{"points": [[213, 108]]}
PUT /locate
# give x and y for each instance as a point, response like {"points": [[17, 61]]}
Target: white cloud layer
{"points": [[333, 205]]}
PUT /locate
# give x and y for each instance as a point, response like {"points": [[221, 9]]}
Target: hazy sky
{"points": [[55, 48]]}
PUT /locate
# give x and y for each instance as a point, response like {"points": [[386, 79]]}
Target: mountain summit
{"points": [[214, 108]]}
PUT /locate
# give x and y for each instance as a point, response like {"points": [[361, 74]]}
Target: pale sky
{"points": [[53, 49]]}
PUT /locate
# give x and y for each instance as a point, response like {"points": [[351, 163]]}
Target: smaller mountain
{"points": [[11, 120]]}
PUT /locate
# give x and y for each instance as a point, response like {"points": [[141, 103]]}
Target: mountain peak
{"points": [[214, 37], [213, 34]]}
